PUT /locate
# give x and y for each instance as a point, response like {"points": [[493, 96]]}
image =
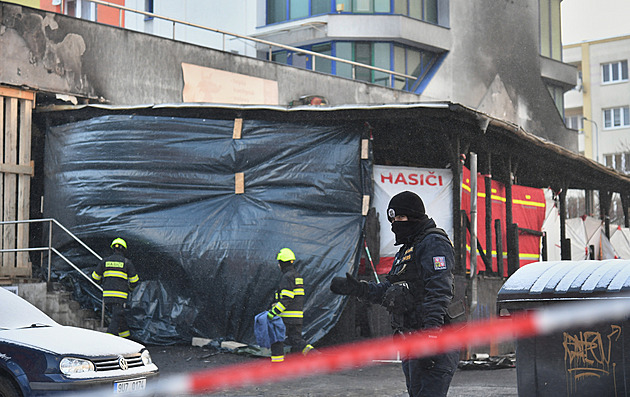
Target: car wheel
{"points": [[7, 388]]}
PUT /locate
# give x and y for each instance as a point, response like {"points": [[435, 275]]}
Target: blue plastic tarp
{"points": [[167, 186]]}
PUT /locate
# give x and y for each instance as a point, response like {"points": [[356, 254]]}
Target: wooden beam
{"points": [[18, 169], [24, 182], [238, 129], [10, 181], [239, 183], [17, 93]]}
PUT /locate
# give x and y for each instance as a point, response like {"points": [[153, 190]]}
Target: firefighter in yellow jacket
{"points": [[289, 305], [118, 277]]}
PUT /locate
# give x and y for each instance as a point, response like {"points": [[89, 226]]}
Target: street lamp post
{"points": [[596, 138]]}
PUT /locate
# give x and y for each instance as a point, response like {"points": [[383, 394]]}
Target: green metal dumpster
{"points": [[592, 360]]}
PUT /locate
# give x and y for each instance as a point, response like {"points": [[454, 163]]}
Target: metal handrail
{"points": [[52, 249], [261, 41]]}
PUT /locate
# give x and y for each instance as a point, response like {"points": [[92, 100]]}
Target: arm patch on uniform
{"points": [[439, 263]]}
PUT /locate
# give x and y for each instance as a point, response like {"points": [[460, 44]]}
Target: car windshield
{"points": [[15, 312]]}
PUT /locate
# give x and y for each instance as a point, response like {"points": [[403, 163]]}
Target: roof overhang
{"points": [[415, 134]]}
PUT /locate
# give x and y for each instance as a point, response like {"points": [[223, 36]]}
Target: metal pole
{"points": [[458, 218], [488, 202], [50, 225], [565, 243], [473, 230], [594, 139], [367, 251], [173, 30], [499, 245]]}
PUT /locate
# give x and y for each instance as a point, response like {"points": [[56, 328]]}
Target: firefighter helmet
{"points": [[286, 255], [119, 242]]}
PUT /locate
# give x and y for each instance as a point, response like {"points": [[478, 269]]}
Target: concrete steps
{"points": [[59, 305]]}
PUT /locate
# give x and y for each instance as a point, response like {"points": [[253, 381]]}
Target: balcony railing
{"points": [[52, 250], [271, 45]]}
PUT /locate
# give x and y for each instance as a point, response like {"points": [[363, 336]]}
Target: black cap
{"points": [[406, 203]]}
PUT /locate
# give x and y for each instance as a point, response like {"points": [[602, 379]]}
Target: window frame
{"points": [[557, 95], [149, 6], [430, 9], [348, 50], [609, 116], [608, 69], [574, 122], [618, 161], [550, 29]]}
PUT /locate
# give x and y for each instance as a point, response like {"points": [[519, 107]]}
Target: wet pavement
{"points": [[382, 379]]}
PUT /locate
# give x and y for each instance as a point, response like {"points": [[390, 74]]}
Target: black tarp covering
{"points": [[205, 255]]}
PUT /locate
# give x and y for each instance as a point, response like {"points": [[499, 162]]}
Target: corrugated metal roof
{"points": [[201, 105], [562, 280]]}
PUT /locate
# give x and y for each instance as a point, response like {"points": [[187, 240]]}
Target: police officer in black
{"points": [[118, 277], [417, 290]]}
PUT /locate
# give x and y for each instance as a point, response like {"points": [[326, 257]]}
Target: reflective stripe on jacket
{"points": [[117, 276], [289, 300]]}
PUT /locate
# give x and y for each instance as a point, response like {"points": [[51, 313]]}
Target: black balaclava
{"points": [[409, 204]]}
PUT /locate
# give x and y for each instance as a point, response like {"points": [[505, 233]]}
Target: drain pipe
{"points": [[473, 232]]}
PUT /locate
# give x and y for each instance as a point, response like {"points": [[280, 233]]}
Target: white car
{"points": [[41, 357]]}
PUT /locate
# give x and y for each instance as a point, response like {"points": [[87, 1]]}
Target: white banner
{"points": [[433, 185]]}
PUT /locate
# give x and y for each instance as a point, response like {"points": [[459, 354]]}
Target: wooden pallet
{"points": [[13, 280]]}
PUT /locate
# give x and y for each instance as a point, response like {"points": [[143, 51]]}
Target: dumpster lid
{"points": [[565, 280]]}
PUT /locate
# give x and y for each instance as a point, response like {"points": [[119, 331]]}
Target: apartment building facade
{"points": [[503, 61], [599, 106], [83, 9], [472, 53]]}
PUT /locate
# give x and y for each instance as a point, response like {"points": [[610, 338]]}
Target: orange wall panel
{"points": [[110, 15]]}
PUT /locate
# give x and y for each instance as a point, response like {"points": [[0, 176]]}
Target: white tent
{"points": [[620, 239], [584, 231]]}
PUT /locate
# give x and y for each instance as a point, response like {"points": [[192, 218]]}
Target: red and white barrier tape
{"points": [[364, 353]]}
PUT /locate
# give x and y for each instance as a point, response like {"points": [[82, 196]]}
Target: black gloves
{"points": [[349, 286]]}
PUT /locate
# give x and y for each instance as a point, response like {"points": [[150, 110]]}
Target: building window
{"points": [[617, 117], [363, 6], [320, 7], [558, 97], [298, 9], [384, 55], [382, 59], [615, 72], [426, 10], [414, 63], [322, 64], [550, 42], [83, 9], [618, 161], [286, 10], [343, 50], [280, 57], [574, 123], [148, 7], [276, 11]]}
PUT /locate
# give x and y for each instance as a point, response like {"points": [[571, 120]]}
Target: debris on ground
{"points": [[489, 362]]}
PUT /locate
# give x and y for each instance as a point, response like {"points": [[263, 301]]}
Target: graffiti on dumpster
{"points": [[588, 355]]}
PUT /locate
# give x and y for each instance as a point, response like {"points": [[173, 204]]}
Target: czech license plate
{"points": [[130, 386]]}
